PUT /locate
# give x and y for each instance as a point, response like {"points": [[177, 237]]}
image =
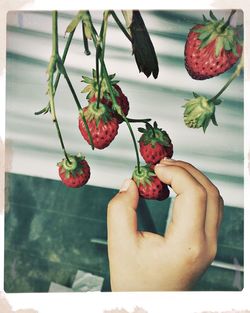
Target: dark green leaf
{"points": [[143, 48], [204, 35], [205, 124], [217, 101], [205, 19], [43, 111], [141, 130], [213, 17], [214, 120]]}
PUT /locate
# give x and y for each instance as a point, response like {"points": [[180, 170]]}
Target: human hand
{"points": [[143, 261]]}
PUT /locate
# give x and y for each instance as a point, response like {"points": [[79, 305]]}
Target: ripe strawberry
{"points": [[102, 124], [75, 173], [105, 98], [149, 185], [155, 144], [211, 48]]}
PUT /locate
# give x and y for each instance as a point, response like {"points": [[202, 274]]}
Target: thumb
{"points": [[122, 219]]}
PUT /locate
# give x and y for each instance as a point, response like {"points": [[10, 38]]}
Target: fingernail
{"points": [[160, 165], [168, 160], [125, 185]]}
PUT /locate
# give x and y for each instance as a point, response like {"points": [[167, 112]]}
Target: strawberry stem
{"points": [[97, 75], [85, 41], [107, 79], [228, 21], [234, 75], [119, 23], [58, 76], [137, 120], [78, 106], [51, 90]]}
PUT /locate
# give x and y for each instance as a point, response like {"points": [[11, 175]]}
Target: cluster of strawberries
{"points": [[103, 123], [211, 49]]}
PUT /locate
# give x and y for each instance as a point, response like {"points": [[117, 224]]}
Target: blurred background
{"points": [[55, 237]]}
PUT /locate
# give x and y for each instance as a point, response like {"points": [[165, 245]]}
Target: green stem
{"points": [[78, 106], [234, 75], [58, 76], [54, 34], [119, 111], [109, 85], [228, 21], [97, 75], [85, 41], [138, 120], [119, 23], [51, 89]]}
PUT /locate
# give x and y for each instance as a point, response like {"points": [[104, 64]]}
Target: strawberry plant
{"points": [[212, 48]]}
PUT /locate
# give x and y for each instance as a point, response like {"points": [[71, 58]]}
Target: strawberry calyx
{"points": [[199, 111], [74, 167], [223, 35], [92, 87], [153, 135], [98, 112], [143, 175]]}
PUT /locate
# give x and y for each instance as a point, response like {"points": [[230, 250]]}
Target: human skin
{"points": [[144, 261]]}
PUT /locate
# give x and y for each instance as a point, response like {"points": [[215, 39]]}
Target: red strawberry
{"points": [[155, 144], [105, 98], [75, 173], [211, 48], [149, 185], [102, 124]]}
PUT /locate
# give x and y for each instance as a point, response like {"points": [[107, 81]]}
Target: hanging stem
{"points": [[58, 76], [234, 75], [120, 112], [119, 23], [228, 21], [138, 120], [78, 105], [109, 85], [85, 41], [97, 75], [51, 90]]}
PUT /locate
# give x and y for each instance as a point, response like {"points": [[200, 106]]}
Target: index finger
{"points": [[190, 204]]}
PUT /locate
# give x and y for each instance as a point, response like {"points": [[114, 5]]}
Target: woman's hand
{"points": [[146, 261]]}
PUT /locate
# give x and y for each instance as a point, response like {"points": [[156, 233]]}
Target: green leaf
{"points": [[205, 124], [73, 24], [227, 44], [141, 130], [217, 101], [155, 124], [213, 17], [218, 46], [87, 80], [204, 18], [214, 120], [204, 35], [195, 95], [111, 76], [43, 111], [88, 88]]}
